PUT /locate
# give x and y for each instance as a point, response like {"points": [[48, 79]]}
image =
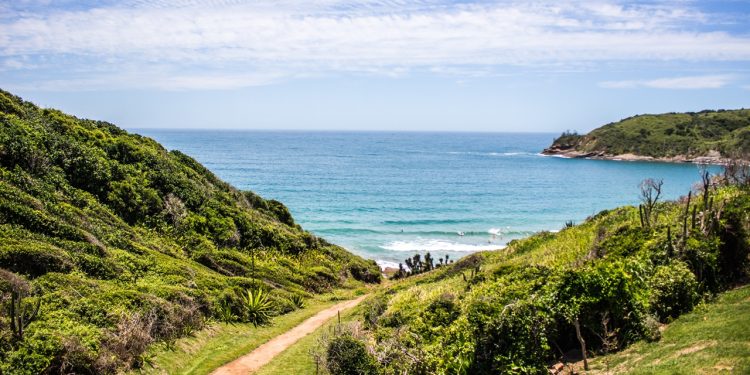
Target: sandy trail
{"points": [[263, 354]]}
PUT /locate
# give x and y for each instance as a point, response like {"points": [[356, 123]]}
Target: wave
{"points": [[391, 232], [429, 221], [386, 264], [553, 156], [475, 153], [438, 245], [366, 231]]}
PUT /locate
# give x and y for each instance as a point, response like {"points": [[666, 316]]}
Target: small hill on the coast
{"points": [[706, 136], [110, 243]]}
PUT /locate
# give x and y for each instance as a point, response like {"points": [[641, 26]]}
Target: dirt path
{"points": [[263, 354]]}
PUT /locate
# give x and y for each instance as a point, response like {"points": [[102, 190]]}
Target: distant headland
{"points": [[706, 137]]}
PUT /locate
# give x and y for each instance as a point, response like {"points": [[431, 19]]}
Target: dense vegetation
{"points": [[109, 243], [667, 135], [592, 288]]}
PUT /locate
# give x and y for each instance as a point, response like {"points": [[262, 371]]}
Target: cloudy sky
{"points": [[375, 64]]}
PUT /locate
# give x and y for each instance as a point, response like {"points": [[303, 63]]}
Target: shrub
{"points": [[442, 311], [349, 356], [674, 290], [34, 259], [368, 272]]}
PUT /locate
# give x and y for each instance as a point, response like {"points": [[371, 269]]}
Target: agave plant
{"points": [[225, 313], [258, 307], [298, 301]]}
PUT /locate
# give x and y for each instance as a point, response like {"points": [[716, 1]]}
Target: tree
{"points": [[20, 311], [429, 262], [417, 262], [650, 193]]}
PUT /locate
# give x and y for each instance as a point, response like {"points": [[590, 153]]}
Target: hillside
{"points": [[109, 243], [602, 285], [712, 339], [703, 137]]}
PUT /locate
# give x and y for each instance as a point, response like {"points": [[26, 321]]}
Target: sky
{"points": [[391, 65]]}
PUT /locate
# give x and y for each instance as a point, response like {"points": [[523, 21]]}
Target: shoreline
{"points": [[713, 158]]}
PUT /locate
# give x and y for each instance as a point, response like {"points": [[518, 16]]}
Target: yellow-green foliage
{"points": [[127, 244]]}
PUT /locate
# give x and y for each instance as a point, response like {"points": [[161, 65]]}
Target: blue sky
{"points": [[375, 64]]}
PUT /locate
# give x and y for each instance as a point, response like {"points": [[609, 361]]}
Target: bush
{"points": [[674, 290], [34, 259], [442, 311], [349, 356], [511, 329]]}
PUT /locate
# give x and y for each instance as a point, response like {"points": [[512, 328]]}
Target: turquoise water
{"points": [[388, 195]]}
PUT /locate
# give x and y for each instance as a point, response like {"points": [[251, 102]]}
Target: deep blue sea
{"points": [[388, 195]]}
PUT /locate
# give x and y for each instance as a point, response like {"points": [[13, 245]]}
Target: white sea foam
{"points": [[488, 153], [438, 245], [386, 264]]}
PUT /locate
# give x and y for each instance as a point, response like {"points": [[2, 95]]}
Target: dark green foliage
{"points": [[443, 311], [512, 331], [674, 290], [369, 273], [568, 139], [348, 356], [127, 244]]}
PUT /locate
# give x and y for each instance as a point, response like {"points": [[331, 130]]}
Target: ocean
{"points": [[387, 195]]}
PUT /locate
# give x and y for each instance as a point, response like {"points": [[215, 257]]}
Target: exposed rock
{"points": [[712, 157]]}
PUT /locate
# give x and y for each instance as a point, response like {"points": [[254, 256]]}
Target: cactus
{"points": [[670, 247], [695, 208], [685, 218]]}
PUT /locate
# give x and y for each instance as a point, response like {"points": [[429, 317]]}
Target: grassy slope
{"points": [[111, 234], [668, 135], [713, 339]]}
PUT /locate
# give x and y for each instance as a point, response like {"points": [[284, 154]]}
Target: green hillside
{"points": [[712, 339], [683, 136], [612, 280], [109, 243]]}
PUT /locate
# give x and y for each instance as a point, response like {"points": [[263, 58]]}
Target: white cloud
{"points": [[673, 83], [211, 43]]}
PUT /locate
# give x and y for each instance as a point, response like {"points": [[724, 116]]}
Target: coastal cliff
{"points": [[706, 137]]}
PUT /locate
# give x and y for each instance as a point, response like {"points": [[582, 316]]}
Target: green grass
{"points": [[221, 343], [713, 339]]}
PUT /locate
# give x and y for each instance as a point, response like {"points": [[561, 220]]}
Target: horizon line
{"points": [[296, 130]]}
